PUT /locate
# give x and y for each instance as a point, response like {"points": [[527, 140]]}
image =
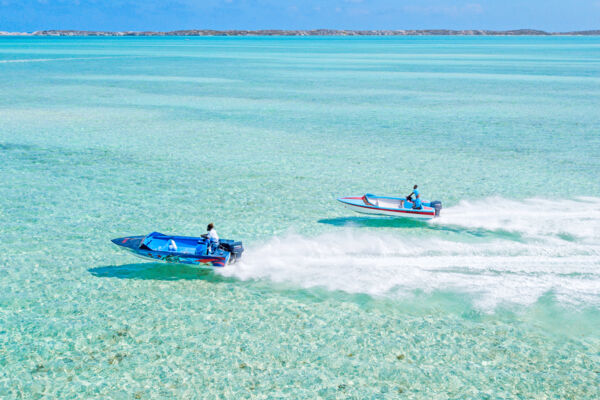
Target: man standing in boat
{"points": [[417, 201], [212, 237]]}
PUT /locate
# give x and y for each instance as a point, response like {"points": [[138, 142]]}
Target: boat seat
{"points": [[200, 250], [373, 201]]}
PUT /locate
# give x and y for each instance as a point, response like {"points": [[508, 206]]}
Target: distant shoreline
{"points": [[315, 32]]}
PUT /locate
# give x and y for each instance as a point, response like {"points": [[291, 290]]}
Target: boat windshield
{"points": [[145, 245]]}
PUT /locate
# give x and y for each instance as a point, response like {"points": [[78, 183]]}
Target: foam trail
{"points": [[579, 218], [492, 273]]}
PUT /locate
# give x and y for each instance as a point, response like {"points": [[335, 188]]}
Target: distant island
{"points": [[315, 32]]}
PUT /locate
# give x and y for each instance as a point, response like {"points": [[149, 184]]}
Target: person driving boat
{"points": [[212, 238], [415, 192], [417, 201]]}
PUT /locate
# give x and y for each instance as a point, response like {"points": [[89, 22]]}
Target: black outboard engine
{"points": [[235, 248], [437, 205]]}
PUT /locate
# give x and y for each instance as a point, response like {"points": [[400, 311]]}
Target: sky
{"points": [[164, 15]]}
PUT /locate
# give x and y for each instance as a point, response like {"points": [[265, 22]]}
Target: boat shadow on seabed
{"points": [[160, 272], [375, 222], [383, 222]]}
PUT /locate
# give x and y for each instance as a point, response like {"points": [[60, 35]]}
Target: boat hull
{"points": [[191, 250], [197, 261], [388, 206]]}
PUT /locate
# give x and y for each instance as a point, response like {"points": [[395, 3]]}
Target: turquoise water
{"points": [[106, 137]]}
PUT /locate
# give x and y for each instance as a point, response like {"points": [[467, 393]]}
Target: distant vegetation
{"points": [[316, 32]]}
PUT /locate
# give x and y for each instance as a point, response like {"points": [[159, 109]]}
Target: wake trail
{"points": [[561, 256], [539, 218]]}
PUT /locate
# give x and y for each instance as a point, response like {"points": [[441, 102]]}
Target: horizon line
{"points": [[307, 32]]}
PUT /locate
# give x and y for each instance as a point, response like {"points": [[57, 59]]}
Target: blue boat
{"points": [[181, 249]]}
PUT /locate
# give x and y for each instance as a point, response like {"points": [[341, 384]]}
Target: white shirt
{"points": [[212, 234]]}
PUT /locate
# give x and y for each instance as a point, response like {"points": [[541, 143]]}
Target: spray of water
{"points": [[558, 252], [536, 218]]}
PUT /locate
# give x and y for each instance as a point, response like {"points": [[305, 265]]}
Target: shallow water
{"points": [[106, 137]]}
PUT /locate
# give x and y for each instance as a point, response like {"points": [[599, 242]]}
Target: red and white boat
{"points": [[398, 207]]}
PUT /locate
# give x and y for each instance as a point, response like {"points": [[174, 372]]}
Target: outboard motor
{"points": [[234, 248], [437, 205]]}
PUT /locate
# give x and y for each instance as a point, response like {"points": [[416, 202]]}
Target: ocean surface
{"points": [[107, 137]]}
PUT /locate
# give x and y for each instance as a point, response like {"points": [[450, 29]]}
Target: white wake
{"points": [[541, 218], [559, 253]]}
